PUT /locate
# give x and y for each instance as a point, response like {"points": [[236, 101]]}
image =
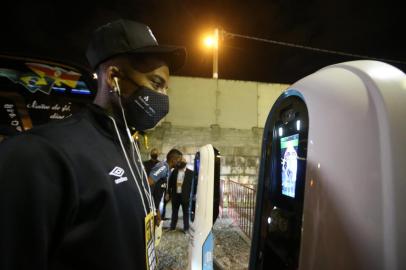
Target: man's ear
{"points": [[112, 77]]}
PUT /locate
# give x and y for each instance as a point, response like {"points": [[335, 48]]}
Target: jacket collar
{"points": [[102, 122]]}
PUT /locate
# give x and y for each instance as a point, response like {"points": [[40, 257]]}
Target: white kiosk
{"points": [[204, 207], [332, 179]]}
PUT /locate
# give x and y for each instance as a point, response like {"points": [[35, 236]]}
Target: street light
{"points": [[209, 41], [213, 42]]}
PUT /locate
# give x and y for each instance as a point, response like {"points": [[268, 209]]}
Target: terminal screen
{"points": [[192, 206], [289, 148]]}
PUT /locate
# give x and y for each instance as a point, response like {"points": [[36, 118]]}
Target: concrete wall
{"points": [[228, 114], [198, 102], [239, 149]]}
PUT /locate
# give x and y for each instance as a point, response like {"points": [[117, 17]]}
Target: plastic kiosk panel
{"points": [[204, 207], [344, 128], [278, 221]]}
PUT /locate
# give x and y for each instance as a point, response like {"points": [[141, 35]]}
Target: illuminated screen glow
{"points": [[289, 147], [192, 206]]}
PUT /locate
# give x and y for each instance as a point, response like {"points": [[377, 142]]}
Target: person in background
{"points": [[149, 164], [159, 176], [180, 184]]}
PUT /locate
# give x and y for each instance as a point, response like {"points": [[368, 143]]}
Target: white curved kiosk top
{"points": [[355, 170]]}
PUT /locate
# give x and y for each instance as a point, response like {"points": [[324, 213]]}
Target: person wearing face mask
{"points": [[180, 183], [73, 193], [158, 179], [149, 164]]}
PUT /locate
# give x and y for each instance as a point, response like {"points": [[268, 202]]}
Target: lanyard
{"points": [[142, 174], [150, 255], [131, 169]]}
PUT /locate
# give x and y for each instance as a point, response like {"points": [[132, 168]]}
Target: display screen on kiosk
{"points": [[193, 193], [289, 157]]}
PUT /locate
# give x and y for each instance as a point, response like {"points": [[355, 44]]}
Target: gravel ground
{"points": [[173, 251], [231, 250]]}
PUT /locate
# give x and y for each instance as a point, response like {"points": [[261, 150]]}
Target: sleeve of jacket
{"points": [[187, 184], [172, 181], [158, 172], [36, 199]]}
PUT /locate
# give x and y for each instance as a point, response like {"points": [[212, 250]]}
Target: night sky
{"points": [[61, 30]]}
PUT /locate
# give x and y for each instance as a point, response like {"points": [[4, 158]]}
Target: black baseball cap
{"points": [[130, 37]]}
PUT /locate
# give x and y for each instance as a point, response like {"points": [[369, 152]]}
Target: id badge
{"points": [[149, 242]]}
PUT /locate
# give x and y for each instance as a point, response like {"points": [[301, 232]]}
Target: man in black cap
{"points": [[82, 199]]}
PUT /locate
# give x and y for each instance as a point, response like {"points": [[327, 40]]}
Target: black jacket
{"points": [[68, 199], [186, 186]]}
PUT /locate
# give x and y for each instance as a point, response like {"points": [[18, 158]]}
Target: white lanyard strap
{"points": [[143, 175], [129, 165]]}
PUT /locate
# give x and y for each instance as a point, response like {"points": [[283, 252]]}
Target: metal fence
{"points": [[239, 200]]}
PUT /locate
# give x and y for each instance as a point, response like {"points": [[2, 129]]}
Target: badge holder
{"points": [[150, 242], [158, 234]]}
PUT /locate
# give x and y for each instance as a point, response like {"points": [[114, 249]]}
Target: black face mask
{"points": [[181, 165], [145, 108]]}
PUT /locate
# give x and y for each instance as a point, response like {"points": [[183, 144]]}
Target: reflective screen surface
{"points": [[193, 193], [289, 149], [280, 193]]}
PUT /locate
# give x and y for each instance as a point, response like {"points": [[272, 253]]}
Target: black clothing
{"points": [[68, 199], [186, 186], [149, 164], [176, 202], [180, 199], [164, 206]]}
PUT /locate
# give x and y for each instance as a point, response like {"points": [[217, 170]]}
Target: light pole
{"points": [[216, 54], [213, 43]]}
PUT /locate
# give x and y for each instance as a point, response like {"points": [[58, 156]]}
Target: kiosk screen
{"points": [[289, 149], [277, 233], [193, 193]]}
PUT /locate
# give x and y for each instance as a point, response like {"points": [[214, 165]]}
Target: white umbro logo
{"points": [[146, 98], [118, 172]]}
